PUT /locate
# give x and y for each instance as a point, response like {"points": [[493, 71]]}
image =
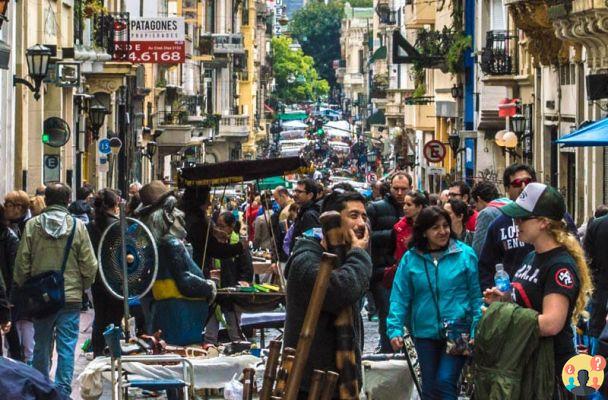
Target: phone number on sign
{"points": [[157, 56]]}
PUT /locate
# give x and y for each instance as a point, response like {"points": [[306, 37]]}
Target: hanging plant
{"points": [[212, 121], [455, 55]]}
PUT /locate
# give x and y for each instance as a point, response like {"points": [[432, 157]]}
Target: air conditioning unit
{"points": [[597, 86]]}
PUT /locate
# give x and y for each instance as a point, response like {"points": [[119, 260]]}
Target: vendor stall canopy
{"points": [[593, 134], [238, 171]]}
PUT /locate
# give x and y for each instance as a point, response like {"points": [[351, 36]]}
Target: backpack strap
{"points": [[68, 245]]}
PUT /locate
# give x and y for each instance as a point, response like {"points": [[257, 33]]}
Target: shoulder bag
{"points": [[456, 333], [44, 294]]}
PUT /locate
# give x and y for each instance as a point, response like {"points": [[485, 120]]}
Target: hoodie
{"points": [[484, 219], [42, 247], [81, 210]]}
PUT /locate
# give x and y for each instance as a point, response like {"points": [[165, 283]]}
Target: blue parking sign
{"points": [[104, 146]]}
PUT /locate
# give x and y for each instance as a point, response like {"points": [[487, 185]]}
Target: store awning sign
{"points": [[156, 40]]}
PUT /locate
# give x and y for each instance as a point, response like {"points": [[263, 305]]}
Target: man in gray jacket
{"points": [[42, 249]]}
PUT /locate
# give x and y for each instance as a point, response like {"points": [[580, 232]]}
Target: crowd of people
{"points": [[424, 264]]}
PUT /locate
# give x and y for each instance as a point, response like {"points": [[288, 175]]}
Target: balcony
{"points": [[419, 13], [172, 118], [379, 86], [501, 61], [235, 126], [386, 16], [394, 110], [353, 78], [221, 43], [499, 57]]}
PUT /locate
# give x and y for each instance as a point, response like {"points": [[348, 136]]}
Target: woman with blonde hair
{"points": [[17, 210], [37, 204], [553, 279]]}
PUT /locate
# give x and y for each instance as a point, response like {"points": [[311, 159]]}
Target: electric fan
{"points": [[127, 253]]}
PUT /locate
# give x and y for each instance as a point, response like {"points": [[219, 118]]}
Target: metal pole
{"points": [[125, 274]]}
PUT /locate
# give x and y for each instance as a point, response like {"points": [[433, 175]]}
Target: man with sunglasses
{"points": [[502, 244]]}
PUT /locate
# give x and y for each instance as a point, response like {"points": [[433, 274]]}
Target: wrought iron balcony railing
{"points": [[499, 57]]}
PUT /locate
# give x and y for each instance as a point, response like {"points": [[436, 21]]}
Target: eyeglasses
{"points": [[298, 191], [452, 194], [516, 183]]}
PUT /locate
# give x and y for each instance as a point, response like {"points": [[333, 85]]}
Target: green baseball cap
{"points": [[537, 200]]}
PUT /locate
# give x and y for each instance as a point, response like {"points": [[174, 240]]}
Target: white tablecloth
{"points": [[210, 373]]}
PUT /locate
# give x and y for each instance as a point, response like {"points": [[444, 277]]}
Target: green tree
{"points": [[296, 77], [317, 28]]}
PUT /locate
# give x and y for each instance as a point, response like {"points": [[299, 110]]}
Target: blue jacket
{"points": [[412, 301]]}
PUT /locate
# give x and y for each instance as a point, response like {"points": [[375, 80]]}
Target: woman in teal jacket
{"points": [[436, 283]]}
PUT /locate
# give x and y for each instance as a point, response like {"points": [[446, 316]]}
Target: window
{"points": [[245, 13], [235, 152], [567, 74]]}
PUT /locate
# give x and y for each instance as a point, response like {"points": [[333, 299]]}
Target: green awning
{"points": [[292, 117], [379, 54], [377, 118]]}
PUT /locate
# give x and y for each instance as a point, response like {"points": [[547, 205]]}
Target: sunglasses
{"points": [[519, 182]]}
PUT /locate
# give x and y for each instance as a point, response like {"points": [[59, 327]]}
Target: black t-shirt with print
{"points": [[541, 274]]}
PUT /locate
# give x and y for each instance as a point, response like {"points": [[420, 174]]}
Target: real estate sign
{"points": [[158, 40]]}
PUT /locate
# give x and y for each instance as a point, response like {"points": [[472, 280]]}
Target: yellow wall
{"points": [[247, 95]]}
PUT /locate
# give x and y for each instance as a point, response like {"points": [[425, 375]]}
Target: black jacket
{"points": [[308, 217], [81, 210], [383, 215], [596, 251], [347, 286], [196, 227], [8, 251], [96, 228]]}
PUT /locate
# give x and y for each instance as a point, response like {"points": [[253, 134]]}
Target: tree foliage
{"points": [[296, 77], [317, 28]]}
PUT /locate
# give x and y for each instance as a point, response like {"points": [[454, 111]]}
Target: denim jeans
{"points": [[381, 297], [440, 371], [63, 326]]}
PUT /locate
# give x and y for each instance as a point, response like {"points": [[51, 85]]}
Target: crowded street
{"points": [[304, 200]]}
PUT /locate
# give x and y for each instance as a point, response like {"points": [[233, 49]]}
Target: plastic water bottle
{"points": [[501, 279]]}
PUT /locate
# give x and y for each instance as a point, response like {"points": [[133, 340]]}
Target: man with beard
{"points": [[347, 285], [383, 215]]}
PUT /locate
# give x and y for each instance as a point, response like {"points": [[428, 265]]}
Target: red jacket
{"points": [[251, 214], [472, 222], [403, 233]]}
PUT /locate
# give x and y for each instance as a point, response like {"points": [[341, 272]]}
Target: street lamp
{"points": [[457, 91], [518, 124], [97, 114], [151, 148], [37, 58], [454, 142]]}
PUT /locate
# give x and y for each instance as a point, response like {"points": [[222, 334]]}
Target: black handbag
{"points": [[43, 294]]}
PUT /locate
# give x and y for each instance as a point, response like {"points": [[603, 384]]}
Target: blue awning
{"points": [[594, 134]]}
